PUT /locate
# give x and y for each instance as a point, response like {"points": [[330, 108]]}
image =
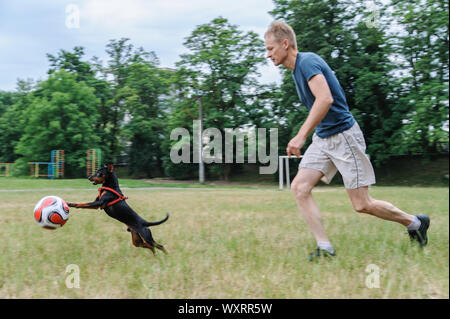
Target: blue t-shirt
{"points": [[338, 118]]}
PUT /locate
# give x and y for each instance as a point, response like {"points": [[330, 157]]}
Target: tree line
{"points": [[395, 80]]}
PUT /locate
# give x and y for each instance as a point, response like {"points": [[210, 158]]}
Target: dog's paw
{"points": [[71, 205]]}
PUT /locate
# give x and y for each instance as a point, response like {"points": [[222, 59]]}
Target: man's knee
{"points": [[361, 200], [363, 206], [300, 189]]}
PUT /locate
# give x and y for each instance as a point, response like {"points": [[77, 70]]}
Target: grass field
{"points": [[222, 243]]}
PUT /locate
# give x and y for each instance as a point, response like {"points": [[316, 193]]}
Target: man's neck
{"points": [[291, 59]]}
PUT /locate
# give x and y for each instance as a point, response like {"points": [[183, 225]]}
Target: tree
{"points": [[6, 100], [71, 62], [93, 75], [423, 45], [183, 110], [12, 118], [122, 55], [61, 117], [221, 67], [145, 86]]}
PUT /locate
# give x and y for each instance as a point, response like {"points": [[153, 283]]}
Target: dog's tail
{"points": [[148, 224]]}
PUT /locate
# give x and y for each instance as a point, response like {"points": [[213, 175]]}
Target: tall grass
{"points": [[224, 243]]}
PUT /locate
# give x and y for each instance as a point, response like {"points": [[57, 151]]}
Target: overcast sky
{"points": [[29, 29]]}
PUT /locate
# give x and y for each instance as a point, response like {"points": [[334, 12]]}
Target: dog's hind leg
{"points": [[136, 238], [142, 238], [160, 247]]}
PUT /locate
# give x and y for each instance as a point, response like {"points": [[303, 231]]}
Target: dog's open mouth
{"points": [[93, 181]]}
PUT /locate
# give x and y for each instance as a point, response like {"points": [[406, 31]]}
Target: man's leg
{"points": [[417, 226], [363, 203], [301, 187]]}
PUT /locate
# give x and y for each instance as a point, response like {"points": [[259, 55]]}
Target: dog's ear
{"points": [[110, 167]]}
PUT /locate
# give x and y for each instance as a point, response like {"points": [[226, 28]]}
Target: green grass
{"points": [[79, 183], [222, 243]]}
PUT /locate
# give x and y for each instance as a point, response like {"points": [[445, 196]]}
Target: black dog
{"points": [[112, 201]]}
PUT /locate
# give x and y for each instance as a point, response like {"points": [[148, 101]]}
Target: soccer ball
{"points": [[51, 212]]}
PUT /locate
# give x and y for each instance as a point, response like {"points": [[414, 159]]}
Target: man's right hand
{"points": [[294, 146]]}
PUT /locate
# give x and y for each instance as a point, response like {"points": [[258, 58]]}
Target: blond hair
{"points": [[281, 30]]}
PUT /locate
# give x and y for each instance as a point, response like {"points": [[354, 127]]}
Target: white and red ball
{"points": [[51, 212]]}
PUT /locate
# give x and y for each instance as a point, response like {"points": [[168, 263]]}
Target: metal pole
{"points": [[288, 177], [280, 171], [201, 167]]}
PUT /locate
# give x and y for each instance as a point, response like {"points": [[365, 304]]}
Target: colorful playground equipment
{"points": [[6, 169], [55, 168], [93, 161]]}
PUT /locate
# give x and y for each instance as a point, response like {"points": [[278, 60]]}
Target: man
{"points": [[338, 143]]}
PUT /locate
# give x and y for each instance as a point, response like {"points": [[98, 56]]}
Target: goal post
{"points": [[283, 169]]}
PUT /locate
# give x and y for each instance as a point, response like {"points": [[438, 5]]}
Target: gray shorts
{"points": [[343, 152]]}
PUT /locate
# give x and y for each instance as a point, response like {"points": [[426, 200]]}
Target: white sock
{"points": [[415, 224], [325, 246]]}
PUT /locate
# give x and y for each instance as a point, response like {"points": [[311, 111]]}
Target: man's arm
{"points": [[321, 91]]}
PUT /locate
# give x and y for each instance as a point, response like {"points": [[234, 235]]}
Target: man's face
{"points": [[276, 50]]}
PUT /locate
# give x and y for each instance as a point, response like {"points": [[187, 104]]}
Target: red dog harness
{"points": [[121, 197]]}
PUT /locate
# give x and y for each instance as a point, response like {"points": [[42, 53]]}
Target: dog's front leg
{"points": [[92, 205]]}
